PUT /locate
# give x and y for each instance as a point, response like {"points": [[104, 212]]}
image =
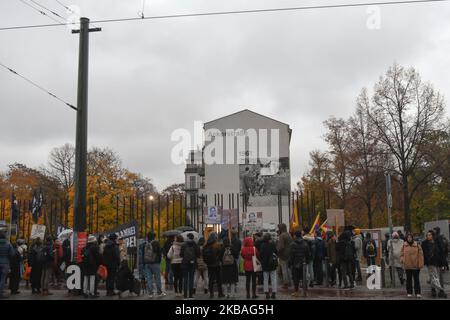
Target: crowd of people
{"points": [[213, 265]]}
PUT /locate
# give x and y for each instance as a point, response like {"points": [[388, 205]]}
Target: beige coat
{"points": [[412, 256]]}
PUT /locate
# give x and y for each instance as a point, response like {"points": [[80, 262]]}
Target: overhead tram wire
{"points": [[38, 86], [43, 13], [331, 6], [64, 6]]}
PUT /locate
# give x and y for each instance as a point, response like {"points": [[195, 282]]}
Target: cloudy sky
{"points": [[148, 78]]}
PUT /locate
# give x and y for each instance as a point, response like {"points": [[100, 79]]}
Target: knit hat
{"points": [[395, 234], [92, 239]]}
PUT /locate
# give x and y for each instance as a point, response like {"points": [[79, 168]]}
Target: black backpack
{"points": [[189, 256]]}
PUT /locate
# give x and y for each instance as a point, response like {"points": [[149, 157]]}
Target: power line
{"points": [[49, 10], [233, 12], [42, 12], [38, 86], [64, 6]]}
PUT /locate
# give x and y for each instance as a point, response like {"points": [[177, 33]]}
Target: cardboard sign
{"points": [[229, 219], [213, 215], [335, 216], [37, 231], [128, 231], [253, 222]]}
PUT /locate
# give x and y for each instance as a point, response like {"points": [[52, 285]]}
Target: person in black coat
{"points": [[14, 265], [190, 252], [168, 274], [125, 278], [432, 254], [269, 263], [346, 252], [90, 264], [111, 259], [230, 274], [36, 266], [298, 257], [211, 252]]}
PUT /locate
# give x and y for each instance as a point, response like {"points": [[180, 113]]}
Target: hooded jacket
{"points": [[174, 253], [284, 242], [189, 243], [412, 256], [247, 253], [6, 251], [299, 253], [268, 249], [395, 251]]}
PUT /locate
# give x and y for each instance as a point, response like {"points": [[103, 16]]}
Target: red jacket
{"points": [[247, 252]]}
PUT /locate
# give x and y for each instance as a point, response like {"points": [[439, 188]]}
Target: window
{"points": [[193, 182]]}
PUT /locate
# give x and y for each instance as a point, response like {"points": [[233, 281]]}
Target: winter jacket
{"points": [[358, 246], [91, 259], [124, 279], [34, 255], [331, 251], [395, 251], [247, 253], [430, 253], [442, 244], [6, 251], [201, 264], [320, 249], [211, 253], [192, 244], [365, 248], [284, 242], [299, 253], [230, 272], [50, 255], [236, 244], [268, 249], [156, 248], [111, 255], [412, 256], [174, 253]]}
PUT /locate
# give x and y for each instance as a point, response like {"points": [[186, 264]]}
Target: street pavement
{"points": [[359, 293]]}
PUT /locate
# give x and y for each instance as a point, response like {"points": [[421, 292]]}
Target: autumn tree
{"points": [[405, 112]]}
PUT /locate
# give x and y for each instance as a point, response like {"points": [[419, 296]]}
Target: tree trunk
{"points": [[406, 203], [369, 214]]}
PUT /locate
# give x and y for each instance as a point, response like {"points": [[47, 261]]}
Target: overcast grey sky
{"points": [[148, 78]]}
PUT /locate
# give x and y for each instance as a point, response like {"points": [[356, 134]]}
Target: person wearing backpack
{"points": [[90, 264], [189, 253], [211, 257], [175, 260], [247, 253], [202, 269], [269, 263], [6, 252], [47, 259], [299, 256], [150, 264], [395, 246], [370, 250], [230, 275], [111, 259], [346, 255]]}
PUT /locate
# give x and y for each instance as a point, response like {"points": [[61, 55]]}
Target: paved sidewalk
{"points": [[322, 293]]}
